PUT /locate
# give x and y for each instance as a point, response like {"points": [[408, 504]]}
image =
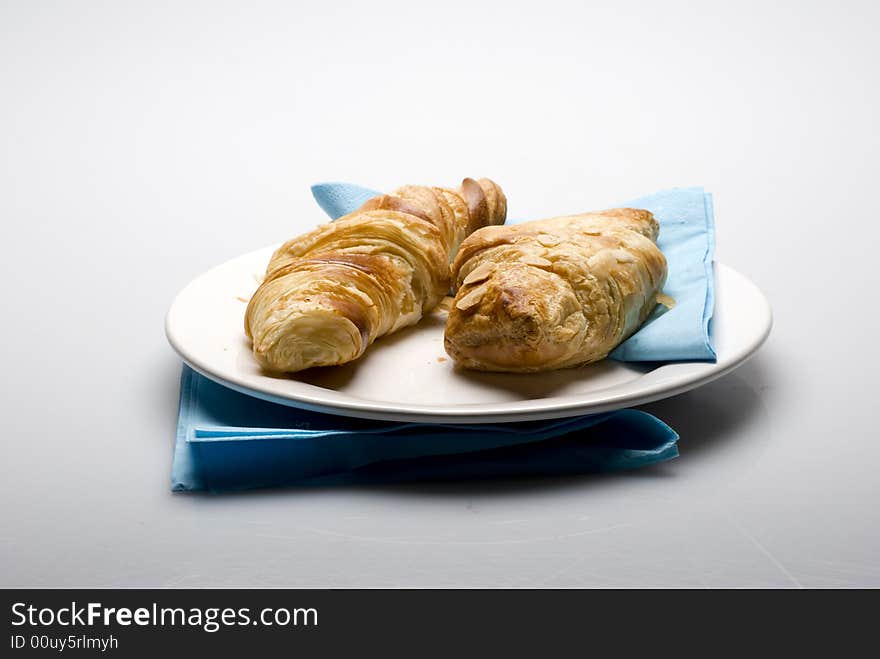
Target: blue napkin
{"points": [[687, 238], [230, 441], [219, 449]]}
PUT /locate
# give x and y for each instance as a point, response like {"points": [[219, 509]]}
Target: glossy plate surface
{"points": [[408, 377]]}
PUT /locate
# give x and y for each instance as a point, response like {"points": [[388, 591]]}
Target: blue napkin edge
{"points": [[328, 194], [186, 477], [623, 351], [709, 263], [183, 473]]}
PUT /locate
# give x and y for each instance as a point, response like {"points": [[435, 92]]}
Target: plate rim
{"points": [[528, 410]]}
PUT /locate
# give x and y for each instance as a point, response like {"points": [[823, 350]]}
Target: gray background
{"points": [[144, 143]]}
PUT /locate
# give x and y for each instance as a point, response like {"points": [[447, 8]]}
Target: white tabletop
{"points": [[144, 144]]}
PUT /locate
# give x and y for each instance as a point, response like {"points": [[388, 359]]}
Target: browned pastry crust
{"points": [[553, 293], [330, 293]]}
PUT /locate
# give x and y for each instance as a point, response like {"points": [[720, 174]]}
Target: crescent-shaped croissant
{"points": [[553, 293], [330, 293]]}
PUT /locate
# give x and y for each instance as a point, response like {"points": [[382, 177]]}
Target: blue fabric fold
{"points": [[218, 447], [687, 238], [338, 199]]}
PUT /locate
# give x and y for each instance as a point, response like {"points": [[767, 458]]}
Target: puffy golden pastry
{"points": [[553, 293], [330, 293]]}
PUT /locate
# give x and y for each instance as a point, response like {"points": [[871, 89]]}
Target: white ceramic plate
{"points": [[408, 377]]}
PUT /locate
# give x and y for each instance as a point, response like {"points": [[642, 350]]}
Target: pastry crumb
{"points": [[441, 359], [241, 299]]}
